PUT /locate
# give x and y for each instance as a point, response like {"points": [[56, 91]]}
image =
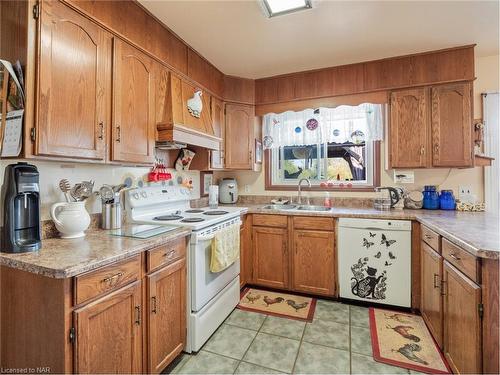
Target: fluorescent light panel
{"points": [[278, 7]]}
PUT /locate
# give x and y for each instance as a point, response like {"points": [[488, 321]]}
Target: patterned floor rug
{"points": [[402, 339], [278, 304]]}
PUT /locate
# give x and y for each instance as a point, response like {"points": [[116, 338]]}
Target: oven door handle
{"points": [[205, 238]]}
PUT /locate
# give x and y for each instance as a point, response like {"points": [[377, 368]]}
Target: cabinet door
{"points": [[217, 157], [270, 257], [313, 262], [167, 315], [74, 85], [431, 300], [245, 251], [134, 105], [408, 135], [108, 333], [239, 136], [452, 126], [462, 323]]}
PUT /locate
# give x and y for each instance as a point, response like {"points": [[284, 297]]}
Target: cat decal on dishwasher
{"points": [[366, 283]]}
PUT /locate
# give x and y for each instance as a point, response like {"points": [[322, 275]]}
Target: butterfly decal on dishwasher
{"points": [[367, 243], [386, 242], [372, 234]]}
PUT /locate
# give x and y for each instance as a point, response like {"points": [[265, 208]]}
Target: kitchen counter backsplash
{"points": [[336, 201]]}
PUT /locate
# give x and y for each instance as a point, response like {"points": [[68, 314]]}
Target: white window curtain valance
{"points": [[341, 124]]}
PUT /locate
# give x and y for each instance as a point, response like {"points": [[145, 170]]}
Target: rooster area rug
{"points": [[403, 340], [278, 304]]}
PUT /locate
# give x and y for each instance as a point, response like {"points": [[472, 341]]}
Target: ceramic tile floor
{"points": [[336, 342]]}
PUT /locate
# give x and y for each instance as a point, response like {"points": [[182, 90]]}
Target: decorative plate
{"points": [[312, 124], [267, 141]]}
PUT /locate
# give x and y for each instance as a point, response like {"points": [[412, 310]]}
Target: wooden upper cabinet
{"points": [[313, 262], [270, 257], [217, 157], [134, 105], [452, 144], [239, 137], [109, 333], [166, 315], [408, 134], [431, 305], [74, 85], [462, 330]]}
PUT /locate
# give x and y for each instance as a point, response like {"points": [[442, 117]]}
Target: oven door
{"points": [[205, 285]]}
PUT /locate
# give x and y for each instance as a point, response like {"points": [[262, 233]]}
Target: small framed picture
{"points": [[206, 179], [258, 151]]}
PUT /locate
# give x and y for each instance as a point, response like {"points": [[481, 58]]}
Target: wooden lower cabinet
{"points": [[270, 257], [431, 304], [166, 290], [462, 322], [109, 333], [313, 262], [135, 322], [294, 253], [246, 251]]}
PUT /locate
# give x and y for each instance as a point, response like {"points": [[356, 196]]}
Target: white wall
{"points": [[487, 73], [52, 172]]}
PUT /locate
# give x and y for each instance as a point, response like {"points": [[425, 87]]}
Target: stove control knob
{"points": [[144, 194], [135, 195]]}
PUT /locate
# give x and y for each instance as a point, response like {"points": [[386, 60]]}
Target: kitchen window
{"points": [[337, 145]]}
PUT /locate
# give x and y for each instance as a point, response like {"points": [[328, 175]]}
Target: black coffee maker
{"points": [[21, 202]]}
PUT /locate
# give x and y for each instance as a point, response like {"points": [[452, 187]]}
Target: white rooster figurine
{"points": [[195, 105]]}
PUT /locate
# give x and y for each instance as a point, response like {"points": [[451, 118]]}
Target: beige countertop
{"points": [[476, 232], [61, 258]]}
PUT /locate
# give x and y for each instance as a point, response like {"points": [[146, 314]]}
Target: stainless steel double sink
{"points": [[294, 207]]}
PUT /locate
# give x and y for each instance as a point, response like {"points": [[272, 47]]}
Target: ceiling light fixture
{"points": [[279, 7]]}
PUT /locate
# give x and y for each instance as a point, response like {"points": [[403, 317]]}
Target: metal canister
{"points": [[111, 216]]}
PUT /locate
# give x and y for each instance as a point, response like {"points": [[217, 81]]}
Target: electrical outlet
{"points": [[247, 188], [465, 193]]}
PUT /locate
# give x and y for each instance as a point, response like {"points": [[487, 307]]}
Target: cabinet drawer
{"points": [[278, 221], [106, 279], [166, 254], [461, 259], [430, 237], [315, 223]]}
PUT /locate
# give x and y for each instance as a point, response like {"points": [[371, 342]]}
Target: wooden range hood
{"points": [[176, 127]]}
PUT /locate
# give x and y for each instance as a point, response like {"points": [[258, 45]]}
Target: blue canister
{"points": [[431, 198], [447, 200]]}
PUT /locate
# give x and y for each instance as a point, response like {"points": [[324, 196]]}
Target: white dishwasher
{"points": [[374, 261]]}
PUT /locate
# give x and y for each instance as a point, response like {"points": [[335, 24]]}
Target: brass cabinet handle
{"points": [[454, 256], [153, 304], [118, 134], [436, 282], [428, 236], [250, 156], [138, 315], [436, 147], [443, 286], [422, 150], [101, 131], [169, 254], [111, 279]]}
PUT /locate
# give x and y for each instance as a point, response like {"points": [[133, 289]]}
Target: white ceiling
{"points": [[237, 38]]}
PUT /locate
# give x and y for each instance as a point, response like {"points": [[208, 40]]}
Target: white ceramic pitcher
{"points": [[70, 218]]}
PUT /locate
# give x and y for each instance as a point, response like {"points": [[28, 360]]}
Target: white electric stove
{"points": [[211, 296]]}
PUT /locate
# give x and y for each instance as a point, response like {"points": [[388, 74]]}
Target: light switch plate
{"points": [[404, 177]]}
